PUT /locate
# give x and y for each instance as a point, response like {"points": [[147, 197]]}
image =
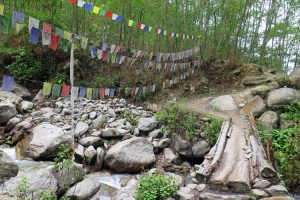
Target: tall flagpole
{"points": [[72, 90]]}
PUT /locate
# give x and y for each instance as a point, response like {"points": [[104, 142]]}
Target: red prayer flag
{"points": [[102, 93], [54, 42], [65, 91], [133, 91], [47, 27], [73, 1], [181, 36], [104, 55], [156, 30], [139, 25], [108, 14]]}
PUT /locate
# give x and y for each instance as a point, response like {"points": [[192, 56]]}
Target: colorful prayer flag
{"points": [[139, 25], [7, 83], [73, 1], [64, 44], [84, 42], [95, 93], [96, 10], [89, 93], [93, 52], [65, 92], [47, 28], [104, 46], [17, 17], [46, 38], [112, 92], [56, 90], [74, 92], [108, 14], [102, 12], [80, 3], [19, 27], [33, 23], [4, 24], [67, 35], [54, 42], [47, 88], [102, 93], [130, 22], [82, 92], [34, 35], [88, 7]]}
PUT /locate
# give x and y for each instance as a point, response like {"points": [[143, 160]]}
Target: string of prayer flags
{"points": [[7, 83], [34, 35], [4, 24], [17, 17], [117, 18], [47, 88], [46, 34], [1, 9]]}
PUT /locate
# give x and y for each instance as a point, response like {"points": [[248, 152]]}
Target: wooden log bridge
{"points": [[237, 159]]}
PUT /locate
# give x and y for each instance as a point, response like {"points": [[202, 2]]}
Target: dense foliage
{"points": [[63, 160], [174, 120], [212, 130], [156, 187]]}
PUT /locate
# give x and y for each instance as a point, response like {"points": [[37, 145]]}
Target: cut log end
{"points": [[268, 172]]}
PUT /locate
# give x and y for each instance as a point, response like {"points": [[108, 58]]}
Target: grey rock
{"points": [[90, 154], [7, 111], [93, 115], [213, 196], [200, 149], [38, 180], [43, 143], [269, 120], [12, 123], [201, 187], [19, 130], [81, 128], [91, 140], [99, 122], [285, 123], [46, 110], [261, 184], [156, 133], [84, 189], [26, 105], [259, 193], [113, 132], [9, 96], [79, 153], [136, 132], [123, 101], [8, 167], [170, 155], [96, 134], [111, 112], [21, 91], [183, 147], [255, 80], [164, 143], [147, 124], [130, 156], [277, 190], [99, 159], [185, 193], [223, 103], [127, 192], [295, 78], [283, 96]]}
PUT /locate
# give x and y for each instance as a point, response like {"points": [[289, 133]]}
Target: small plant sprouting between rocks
{"points": [[133, 119], [63, 159], [292, 112], [22, 188], [47, 195], [213, 129], [156, 187], [173, 120]]}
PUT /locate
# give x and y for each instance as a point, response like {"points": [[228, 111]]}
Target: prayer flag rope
{"points": [[138, 25]]}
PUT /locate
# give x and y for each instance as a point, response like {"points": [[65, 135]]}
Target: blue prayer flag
{"points": [[88, 7], [8, 83], [82, 92], [34, 35]]}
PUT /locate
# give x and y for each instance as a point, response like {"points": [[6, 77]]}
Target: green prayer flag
{"points": [[102, 12], [4, 24], [64, 44], [134, 24], [56, 90], [95, 93], [89, 93], [47, 89]]}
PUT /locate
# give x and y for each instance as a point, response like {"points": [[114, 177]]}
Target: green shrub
{"points": [[47, 195], [173, 120], [63, 159], [133, 119], [286, 146], [292, 112], [155, 187], [212, 130], [283, 81], [22, 188], [24, 65]]}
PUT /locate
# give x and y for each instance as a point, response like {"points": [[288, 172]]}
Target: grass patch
{"points": [[213, 129]]}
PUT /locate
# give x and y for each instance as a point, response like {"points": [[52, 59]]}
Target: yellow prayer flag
{"points": [[67, 35], [150, 28], [89, 93], [96, 10], [177, 35], [19, 27], [1, 9], [199, 36], [47, 89], [130, 22], [165, 32]]}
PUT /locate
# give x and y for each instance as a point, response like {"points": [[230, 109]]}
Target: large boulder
{"points": [[113, 132], [183, 147], [269, 120], [8, 167], [99, 122], [132, 155], [255, 80], [283, 96], [147, 124], [36, 180], [223, 103], [7, 111], [84, 189], [81, 128], [43, 143], [15, 99], [295, 78], [200, 148], [21, 91]]}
